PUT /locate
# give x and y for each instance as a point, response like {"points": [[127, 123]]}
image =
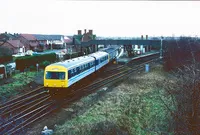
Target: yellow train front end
{"points": [[55, 78]]}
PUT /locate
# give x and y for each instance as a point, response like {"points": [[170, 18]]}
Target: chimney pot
{"points": [[79, 32], [91, 32]]}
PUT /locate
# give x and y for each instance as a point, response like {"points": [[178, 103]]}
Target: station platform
{"points": [[125, 60]]}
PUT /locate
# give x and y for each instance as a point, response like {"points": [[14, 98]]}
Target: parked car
{"points": [[2, 71]]}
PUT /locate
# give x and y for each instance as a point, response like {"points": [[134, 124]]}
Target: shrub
{"points": [[44, 64]]}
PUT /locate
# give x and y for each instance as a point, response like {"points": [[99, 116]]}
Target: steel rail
{"points": [[19, 98]]}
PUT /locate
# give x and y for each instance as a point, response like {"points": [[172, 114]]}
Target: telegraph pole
{"points": [[161, 47]]}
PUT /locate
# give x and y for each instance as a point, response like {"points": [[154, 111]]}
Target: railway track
{"points": [[19, 109], [35, 91], [29, 109]]}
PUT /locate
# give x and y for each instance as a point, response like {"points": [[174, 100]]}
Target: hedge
{"points": [[74, 55], [31, 61], [5, 59]]}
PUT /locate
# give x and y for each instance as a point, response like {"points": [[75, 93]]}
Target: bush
{"points": [[74, 55]]}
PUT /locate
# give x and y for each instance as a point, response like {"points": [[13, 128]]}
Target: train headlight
{"points": [[47, 84]]}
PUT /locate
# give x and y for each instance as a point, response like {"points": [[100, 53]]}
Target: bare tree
{"points": [[185, 91]]}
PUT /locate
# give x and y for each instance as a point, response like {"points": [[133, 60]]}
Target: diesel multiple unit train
{"points": [[62, 75]]}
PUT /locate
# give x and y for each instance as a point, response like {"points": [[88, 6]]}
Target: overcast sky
{"points": [[106, 18]]}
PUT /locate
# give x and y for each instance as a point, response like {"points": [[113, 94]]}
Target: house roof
{"points": [[34, 44], [7, 36], [47, 37], [15, 43], [67, 40], [28, 36]]}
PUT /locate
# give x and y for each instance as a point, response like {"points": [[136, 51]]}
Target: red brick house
{"points": [[29, 40], [15, 45]]}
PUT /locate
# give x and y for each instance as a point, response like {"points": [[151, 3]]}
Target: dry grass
{"points": [[130, 108]]}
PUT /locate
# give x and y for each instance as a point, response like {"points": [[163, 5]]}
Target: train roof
{"points": [[74, 62], [98, 54], [108, 50]]}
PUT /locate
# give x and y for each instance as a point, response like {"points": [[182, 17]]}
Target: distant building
{"points": [[87, 36], [51, 41], [7, 36]]}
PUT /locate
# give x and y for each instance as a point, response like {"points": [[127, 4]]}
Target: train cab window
{"points": [[55, 75], [61, 75]]}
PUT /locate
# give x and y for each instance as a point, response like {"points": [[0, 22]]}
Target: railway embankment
{"points": [[19, 84], [136, 106]]}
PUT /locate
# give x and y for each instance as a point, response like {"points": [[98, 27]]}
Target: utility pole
{"points": [[18, 47], [51, 43], [161, 47]]}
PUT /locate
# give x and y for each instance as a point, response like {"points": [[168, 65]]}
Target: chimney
{"points": [[90, 32], [85, 31], [79, 32], [146, 37], [142, 37]]}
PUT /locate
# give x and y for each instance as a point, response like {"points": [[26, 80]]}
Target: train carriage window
{"points": [[77, 69], [69, 74], [97, 62], [72, 73]]}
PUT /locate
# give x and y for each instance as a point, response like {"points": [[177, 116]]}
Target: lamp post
{"points": [[161, 47]]}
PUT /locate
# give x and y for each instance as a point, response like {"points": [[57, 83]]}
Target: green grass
{"points": [[16, 86], [133, 107]]}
